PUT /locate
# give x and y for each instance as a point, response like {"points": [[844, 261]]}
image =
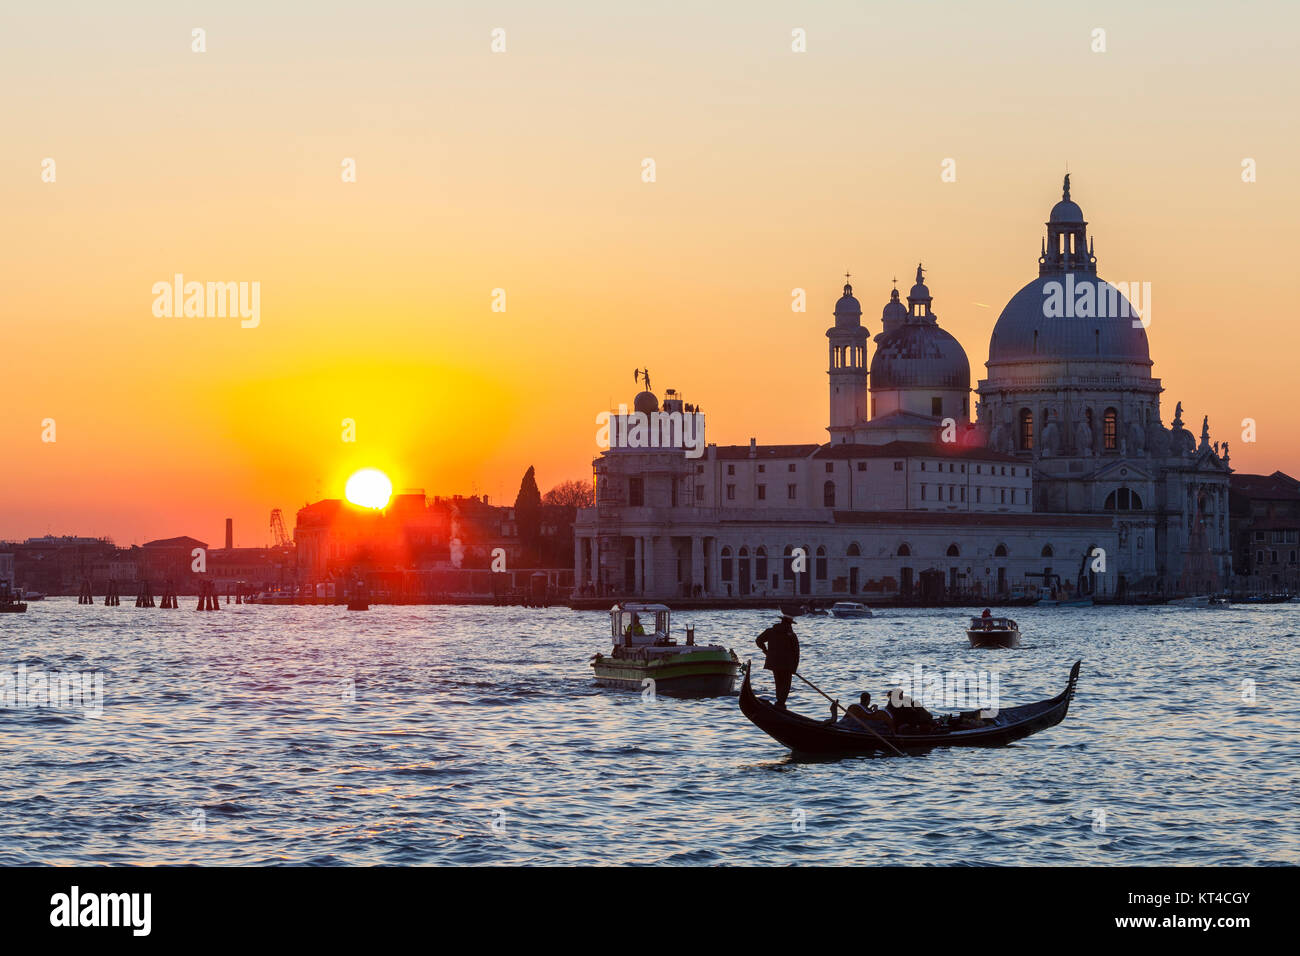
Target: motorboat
{"points": [[1064, 602], [646, 655], [993, 632], [850, 610]]}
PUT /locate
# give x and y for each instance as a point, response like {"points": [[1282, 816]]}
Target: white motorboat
{"points": [[850, 610]]}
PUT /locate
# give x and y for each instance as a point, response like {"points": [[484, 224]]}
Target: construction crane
{"points": [[278, 534]]}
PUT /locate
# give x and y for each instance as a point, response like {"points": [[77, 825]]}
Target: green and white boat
{"points": [[643, 651]]}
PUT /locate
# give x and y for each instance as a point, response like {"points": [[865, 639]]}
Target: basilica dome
{"points": [[1068, 313], [1029, 329], [913, 351], [919, 356]]}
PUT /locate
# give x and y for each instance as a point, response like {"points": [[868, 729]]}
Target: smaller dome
{"points": [[646, 403], [1066, 211], [893, 308], [848, 311]]}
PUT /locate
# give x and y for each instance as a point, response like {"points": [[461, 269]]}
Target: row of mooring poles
{"points": [[208, 600], [144, 596]]}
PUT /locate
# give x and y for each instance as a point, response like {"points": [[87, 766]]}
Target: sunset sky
{"points": [[522, 171]]}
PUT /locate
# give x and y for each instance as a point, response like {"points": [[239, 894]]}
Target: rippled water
{"points": [[476, 736]]}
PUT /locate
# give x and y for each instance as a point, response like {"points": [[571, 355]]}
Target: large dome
{"points": [[919, 355], [1032, 328]]}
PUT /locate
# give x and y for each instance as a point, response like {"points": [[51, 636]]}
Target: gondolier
{"points": [[781, 647]]}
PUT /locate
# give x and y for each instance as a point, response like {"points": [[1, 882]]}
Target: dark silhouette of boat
{"points": [[993, 632], [806, 736], [9, 602]]}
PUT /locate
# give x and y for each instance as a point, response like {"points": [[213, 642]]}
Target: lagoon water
{"points": [[436, 735]]}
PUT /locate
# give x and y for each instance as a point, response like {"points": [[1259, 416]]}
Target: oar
{"points": [[837, 704]]}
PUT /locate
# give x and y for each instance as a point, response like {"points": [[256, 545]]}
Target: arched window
{"points": [[1047, 551], [821, 564], [828, 494], [904, 551], [1000, 551], [760, 564], [1110, 430], [787, 563], [726, 564], [854, 551], [954, 551], [1122, 499], [1026, 429]]}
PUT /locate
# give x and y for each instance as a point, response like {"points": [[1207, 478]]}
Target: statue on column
{"points": [[1083, 438]]}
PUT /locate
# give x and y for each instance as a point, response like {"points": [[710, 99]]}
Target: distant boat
{"points": [[9, 603], [1200, 600], [850, 610], [1077, 602], [32, 595], [993, 632]]}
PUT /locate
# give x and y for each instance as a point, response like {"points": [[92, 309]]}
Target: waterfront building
{"points": [[1264, 517], [1066, 462]]}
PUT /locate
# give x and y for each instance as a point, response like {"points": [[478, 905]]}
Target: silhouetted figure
{"points": [[868, 716], [907, 713], [781, 647]]}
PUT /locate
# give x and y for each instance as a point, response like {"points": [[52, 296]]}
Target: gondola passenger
{"points": [[867, 716], [907, 713]]}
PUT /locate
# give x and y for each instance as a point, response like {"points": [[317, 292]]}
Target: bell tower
{"points": [[847, 367]]}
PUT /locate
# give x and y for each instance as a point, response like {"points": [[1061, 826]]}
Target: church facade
{"points": [[1065, 481]]}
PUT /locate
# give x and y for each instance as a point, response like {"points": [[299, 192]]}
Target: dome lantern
{"points": [[919, 299], [1066, 248]]}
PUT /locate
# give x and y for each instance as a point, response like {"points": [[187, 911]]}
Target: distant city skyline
{"points": [[477, 171]]}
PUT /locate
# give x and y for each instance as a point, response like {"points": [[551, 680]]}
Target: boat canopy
{"points": [[992, 624], [632, 624]]}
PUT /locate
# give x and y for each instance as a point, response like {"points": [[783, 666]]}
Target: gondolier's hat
{"points": [[786, 619]]}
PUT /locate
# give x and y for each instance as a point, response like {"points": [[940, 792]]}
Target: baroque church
{"points": [[1064, 482]]}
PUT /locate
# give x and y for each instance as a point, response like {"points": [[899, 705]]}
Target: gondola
{"points": [[805, 736]]}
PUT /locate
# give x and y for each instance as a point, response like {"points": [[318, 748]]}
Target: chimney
{"points": [[230, 533], [753, 448]]}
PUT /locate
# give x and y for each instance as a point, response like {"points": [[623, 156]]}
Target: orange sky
{"points": [[522, 171]]}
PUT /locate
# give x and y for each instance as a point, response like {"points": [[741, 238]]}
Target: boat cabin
{"points": [[993, 624], [637, 625]]}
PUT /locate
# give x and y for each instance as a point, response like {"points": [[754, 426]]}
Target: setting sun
{"points": [[369, 488]]}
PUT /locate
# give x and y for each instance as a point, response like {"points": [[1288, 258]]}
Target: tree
{"points": [[570, 494], [528, 512]]}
